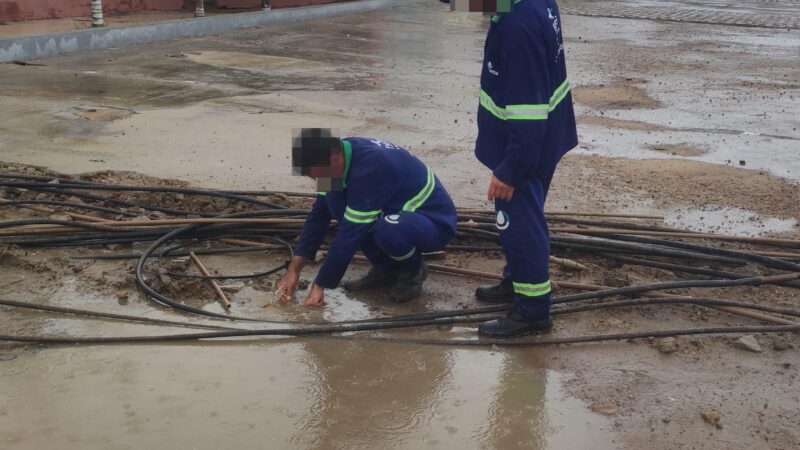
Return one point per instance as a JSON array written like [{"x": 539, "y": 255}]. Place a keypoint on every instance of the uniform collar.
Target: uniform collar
[
  {"x": 348, "y": 156},
  {"x": 496, "y": 18}
]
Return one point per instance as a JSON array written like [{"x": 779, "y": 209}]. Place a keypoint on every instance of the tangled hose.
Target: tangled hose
[{"x": 323, "y": 330}]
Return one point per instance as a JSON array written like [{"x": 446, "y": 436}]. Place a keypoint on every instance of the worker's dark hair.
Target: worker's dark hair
[{"x": 312, "y": 147}]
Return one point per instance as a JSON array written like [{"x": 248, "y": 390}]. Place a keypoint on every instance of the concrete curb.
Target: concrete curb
[{"x": 32, "y": 47}]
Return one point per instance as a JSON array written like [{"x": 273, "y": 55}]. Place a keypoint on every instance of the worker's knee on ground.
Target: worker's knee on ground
[{"x": 392, "y": 236}]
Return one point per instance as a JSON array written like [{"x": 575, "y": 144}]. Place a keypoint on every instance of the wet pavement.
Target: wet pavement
[
  {"x": 317, "y": 394},
  {"x": 282, "y": 393},
  {"x": 218, "y": 111}
]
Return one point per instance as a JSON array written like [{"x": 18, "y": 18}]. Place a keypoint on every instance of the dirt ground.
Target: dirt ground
[{"x": 692, "y": 121}]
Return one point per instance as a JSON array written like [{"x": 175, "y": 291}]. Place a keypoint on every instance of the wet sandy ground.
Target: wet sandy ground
[{"x": 218, "y": 111}]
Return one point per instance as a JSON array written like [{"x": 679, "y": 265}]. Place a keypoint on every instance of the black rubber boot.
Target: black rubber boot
[
  {"x": 409, "y": 285},
  {"x": 376, "y": 277},
  {"x": 497, "y": 293},
  {"x": 513, "y": 325}
]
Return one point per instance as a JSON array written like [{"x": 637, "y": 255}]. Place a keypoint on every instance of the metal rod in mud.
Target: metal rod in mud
[
  {"x": 323, "y": 330},
  {"x": 567, "y": 213},
  {"x": 222, "y": 297},
  {"x": 688, "y": 235},
  {"x": 593, "y": 287},
  {"x": 70, "y": 214}
]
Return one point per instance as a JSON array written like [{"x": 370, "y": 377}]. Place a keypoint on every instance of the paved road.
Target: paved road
[{"x": 754, "y": 13}]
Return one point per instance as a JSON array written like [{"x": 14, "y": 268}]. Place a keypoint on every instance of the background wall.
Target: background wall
[{"x": 11, "y": 10}]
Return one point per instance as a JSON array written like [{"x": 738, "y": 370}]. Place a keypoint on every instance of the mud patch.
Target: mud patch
[
  {"x": 659, "y": 184},
  {"x": 620, "y": 95},
  {"x": 103, "y": 113},
  {"x": 727, "y": 220},
  {"x": 261, "y": 63},
  {"x": 635, "y": 125},
  {"x": 681, "y": 149}
]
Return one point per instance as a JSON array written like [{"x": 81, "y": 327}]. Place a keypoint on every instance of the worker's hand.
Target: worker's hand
[
  {"x": 288, "y": 285},
  {"x": 498, "y": 189},
  {"x": 316, "y": 297}
]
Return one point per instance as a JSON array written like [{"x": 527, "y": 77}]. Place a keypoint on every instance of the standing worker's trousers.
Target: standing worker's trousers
[
  {"x": 526, "y": 244},
  {"x": 396, "y": 241}
]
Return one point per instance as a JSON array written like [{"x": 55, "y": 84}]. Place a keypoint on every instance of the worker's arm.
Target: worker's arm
[
  {"x": 526, "y": 92},
  {"x": 305, "y": 249},
  {"x": 347, "y": 241},
  {"x": 368, "y": 191},
  {"x": 314, "y": 229}
]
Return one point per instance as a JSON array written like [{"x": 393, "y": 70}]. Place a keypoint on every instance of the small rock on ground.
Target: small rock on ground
[
  {"x": 781, "y": 343},
  {"x": 711, "y": 417},
  {"x": 748, "y": 343},
  {"x": 604, "y": 408},
  {"x": 667, "y": 345}
]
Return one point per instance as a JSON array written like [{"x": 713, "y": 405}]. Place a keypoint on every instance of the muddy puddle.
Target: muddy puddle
[
  {"x": 273, "y": 393},
  {"x": 313, "y": 394}
]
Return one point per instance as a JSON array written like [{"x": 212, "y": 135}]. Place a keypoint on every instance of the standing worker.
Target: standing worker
[
  {"x": 388, "y": 204},
  {"x": 525, "y": 125}
]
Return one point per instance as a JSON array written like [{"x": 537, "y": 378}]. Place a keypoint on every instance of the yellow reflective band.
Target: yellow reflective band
[
  {"x": 423, "y": 194},
  {"x": 361, "y": 216},
  {"x": 532, "y": 290},
  {"x": 559, "y": 95},
  {"x": 404, "y": 257},
  {"x": 322, "y": 193},
  {"x": 488, "y": 103},
  {"x": 526, "y": 112},
  {"x": 522, "y": 111}
]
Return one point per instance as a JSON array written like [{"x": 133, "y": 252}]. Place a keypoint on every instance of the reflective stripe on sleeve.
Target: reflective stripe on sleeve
[
  {"x": 488, "y": 103},
  {"x": 355, "y": 216},
  {"x": 423, "y": 194},
  {"x": 559, "y": 95}
]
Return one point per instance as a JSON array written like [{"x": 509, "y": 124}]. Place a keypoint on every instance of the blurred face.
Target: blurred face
[
  {"x": 318, "y": 155},
  {"x": 329, "y": 177},
  {"x": 481, "y": 6}
]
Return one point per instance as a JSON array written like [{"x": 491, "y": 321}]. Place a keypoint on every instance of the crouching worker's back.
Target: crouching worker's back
[{"x": 388, "y": 204}]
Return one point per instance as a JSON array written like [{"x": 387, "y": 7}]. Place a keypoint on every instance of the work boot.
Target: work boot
[
  {"x": 409, "y": 285},
  {"x": 497, "y": 293},
  {"x": 513, "y": 325},
  {"x": 376, "y": 277}
]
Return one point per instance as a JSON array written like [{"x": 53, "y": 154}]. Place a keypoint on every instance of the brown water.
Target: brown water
[
  {"x": 271, "y": 393},
  {"x": 314, "y": 394}
]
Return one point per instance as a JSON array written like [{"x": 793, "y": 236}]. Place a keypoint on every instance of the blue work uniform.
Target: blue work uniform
[
  {"x": 392, "y": 207},
  {"x": 526, "y": 123}
]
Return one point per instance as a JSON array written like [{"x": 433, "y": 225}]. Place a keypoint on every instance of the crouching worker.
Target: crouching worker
[{"x": 388, "y": 204}]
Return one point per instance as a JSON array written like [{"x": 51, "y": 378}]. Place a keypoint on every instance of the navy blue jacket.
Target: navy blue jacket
[
  {"x": 525, "y": 119},
  {"x": 380, "y": 179}
]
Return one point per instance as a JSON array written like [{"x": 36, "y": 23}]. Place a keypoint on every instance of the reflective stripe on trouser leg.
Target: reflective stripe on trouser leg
[
  {"x": 526, "y": 244},
  {"x": 531, "y": 289}
]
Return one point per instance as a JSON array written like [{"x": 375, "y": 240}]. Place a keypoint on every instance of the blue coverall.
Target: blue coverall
[
  {"x": 392, "y": 207},
  {"x": 526, "y": 123}
]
